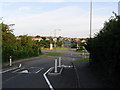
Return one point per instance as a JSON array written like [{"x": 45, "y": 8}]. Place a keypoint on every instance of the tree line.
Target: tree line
[
  {"x": 22, "y": 46},
  {"x": 17, "y": 48}
]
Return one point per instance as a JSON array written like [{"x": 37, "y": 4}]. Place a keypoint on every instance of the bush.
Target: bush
[
  {"x": 18, "y": 49},
  {"x": 104, "y": 51}
]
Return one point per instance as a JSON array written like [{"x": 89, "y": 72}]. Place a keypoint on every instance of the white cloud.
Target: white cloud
[
  {"x": 24, "y": 8},
  {"x": 73, "y": 21}
]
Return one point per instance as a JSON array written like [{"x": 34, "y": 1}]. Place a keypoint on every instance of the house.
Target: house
[
  {"x": 83, "y": 41},
  {"x": 37, "y": 39}
]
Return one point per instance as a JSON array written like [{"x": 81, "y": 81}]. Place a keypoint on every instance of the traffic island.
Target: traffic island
[
  {"x": 53, "y": 72},
  {"x": 57, "y": 69}
]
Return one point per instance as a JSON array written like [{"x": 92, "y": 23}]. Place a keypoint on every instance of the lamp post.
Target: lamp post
[
  {"x": 55, "y": 36},
  {"x": 90, "y": 18},
  {"x": 1, "y": 43},
  {"x": 90, "y": 25}
]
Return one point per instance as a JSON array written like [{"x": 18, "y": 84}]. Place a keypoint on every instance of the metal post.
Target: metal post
[
  {"x": 56, "y": 37},
  {"x": 85, "y": 55},
  {"x": 90, "y": 18},
  {"x": 55, "y": 41},
  {"x": 59, "y": 62},
  {"x": 20, "y": 65},
  {"x": 55, "y": 65},
  {"x": 10, "y": 60},
  {"x": 77, "y": 46}
]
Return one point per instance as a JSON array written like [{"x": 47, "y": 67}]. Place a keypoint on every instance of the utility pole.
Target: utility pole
[{"x": 90, "y": 18}]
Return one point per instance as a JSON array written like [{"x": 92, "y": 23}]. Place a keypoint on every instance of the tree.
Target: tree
[
  {"x": 22, "y": 48},
  {"x": 105, "y": 50}
]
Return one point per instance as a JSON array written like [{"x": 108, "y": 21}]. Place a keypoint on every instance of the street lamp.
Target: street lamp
[
  {"x": 57, "y": 30},
  {"x": 90, "y": 17},
  {"x": 55, "y": 36}
]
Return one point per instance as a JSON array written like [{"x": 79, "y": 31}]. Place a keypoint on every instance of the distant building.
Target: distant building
[
  {"x": 83, "y": 41},
  {"x": 18, "y": 38},
  {"x": 37, "y": 39},
  {"x": 119, "y": 8},
  {"x": 77, "y": 40},
  {"x": 47, "y": 38}
]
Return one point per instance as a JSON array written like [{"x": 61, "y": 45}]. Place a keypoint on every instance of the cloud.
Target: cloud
[
  {"x": 24, "y": 8},
  {"x": 73, "y": 21},
  {"x": 5, "y": 4}
]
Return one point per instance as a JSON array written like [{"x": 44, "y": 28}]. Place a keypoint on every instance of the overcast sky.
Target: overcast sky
[{"x": 42, "y": 18}]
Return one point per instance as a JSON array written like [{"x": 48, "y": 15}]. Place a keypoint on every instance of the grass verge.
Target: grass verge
[
  {"x": 53, "y": 54},
  {"x": 81, "y": 51},
  {"x": 58, "y": 48},
  {"x": 61, "y": 48}
]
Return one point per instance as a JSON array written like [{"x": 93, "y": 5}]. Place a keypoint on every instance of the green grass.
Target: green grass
[
  {"x": 61, "y": 48},
  {"x": 58, "y": 48},
  {"x": 82, "y": 60},
  {"x": 81, "y": 51},
  {"x": 53, "y": 54}
]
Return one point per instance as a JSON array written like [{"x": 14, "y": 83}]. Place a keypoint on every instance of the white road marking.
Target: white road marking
[
  {"x": 24, "y": 71},
  {"x": 18, "y": 70},
  {"x": 67, "y": 66},
  {"x": 48, "y": 82},
  {"x": 9, "y": 70},
  {"x": 39, "y": 70}
]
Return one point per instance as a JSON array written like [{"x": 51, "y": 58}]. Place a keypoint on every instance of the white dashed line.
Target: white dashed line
[{"x": 48, "y": 82}]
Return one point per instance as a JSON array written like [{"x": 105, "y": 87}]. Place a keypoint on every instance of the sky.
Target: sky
[{"x": 43, "y": 17}]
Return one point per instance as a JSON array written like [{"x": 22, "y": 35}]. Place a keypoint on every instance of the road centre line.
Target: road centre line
[
  {"x": 8, "y": 70},
  {"x": 48, "y": 82}
]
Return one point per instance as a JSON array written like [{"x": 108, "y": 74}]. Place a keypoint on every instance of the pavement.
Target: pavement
[
  {"x": 87, "y": 77},
  {"x": 33, "y": 73}
]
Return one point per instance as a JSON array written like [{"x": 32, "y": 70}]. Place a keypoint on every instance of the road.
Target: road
[{"x": 31, "y": 73}]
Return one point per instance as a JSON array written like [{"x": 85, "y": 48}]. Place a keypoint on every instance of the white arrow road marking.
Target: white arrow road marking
[
  {"x": 48, "y": 82},
  {"x": 24, "y": 71}
]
